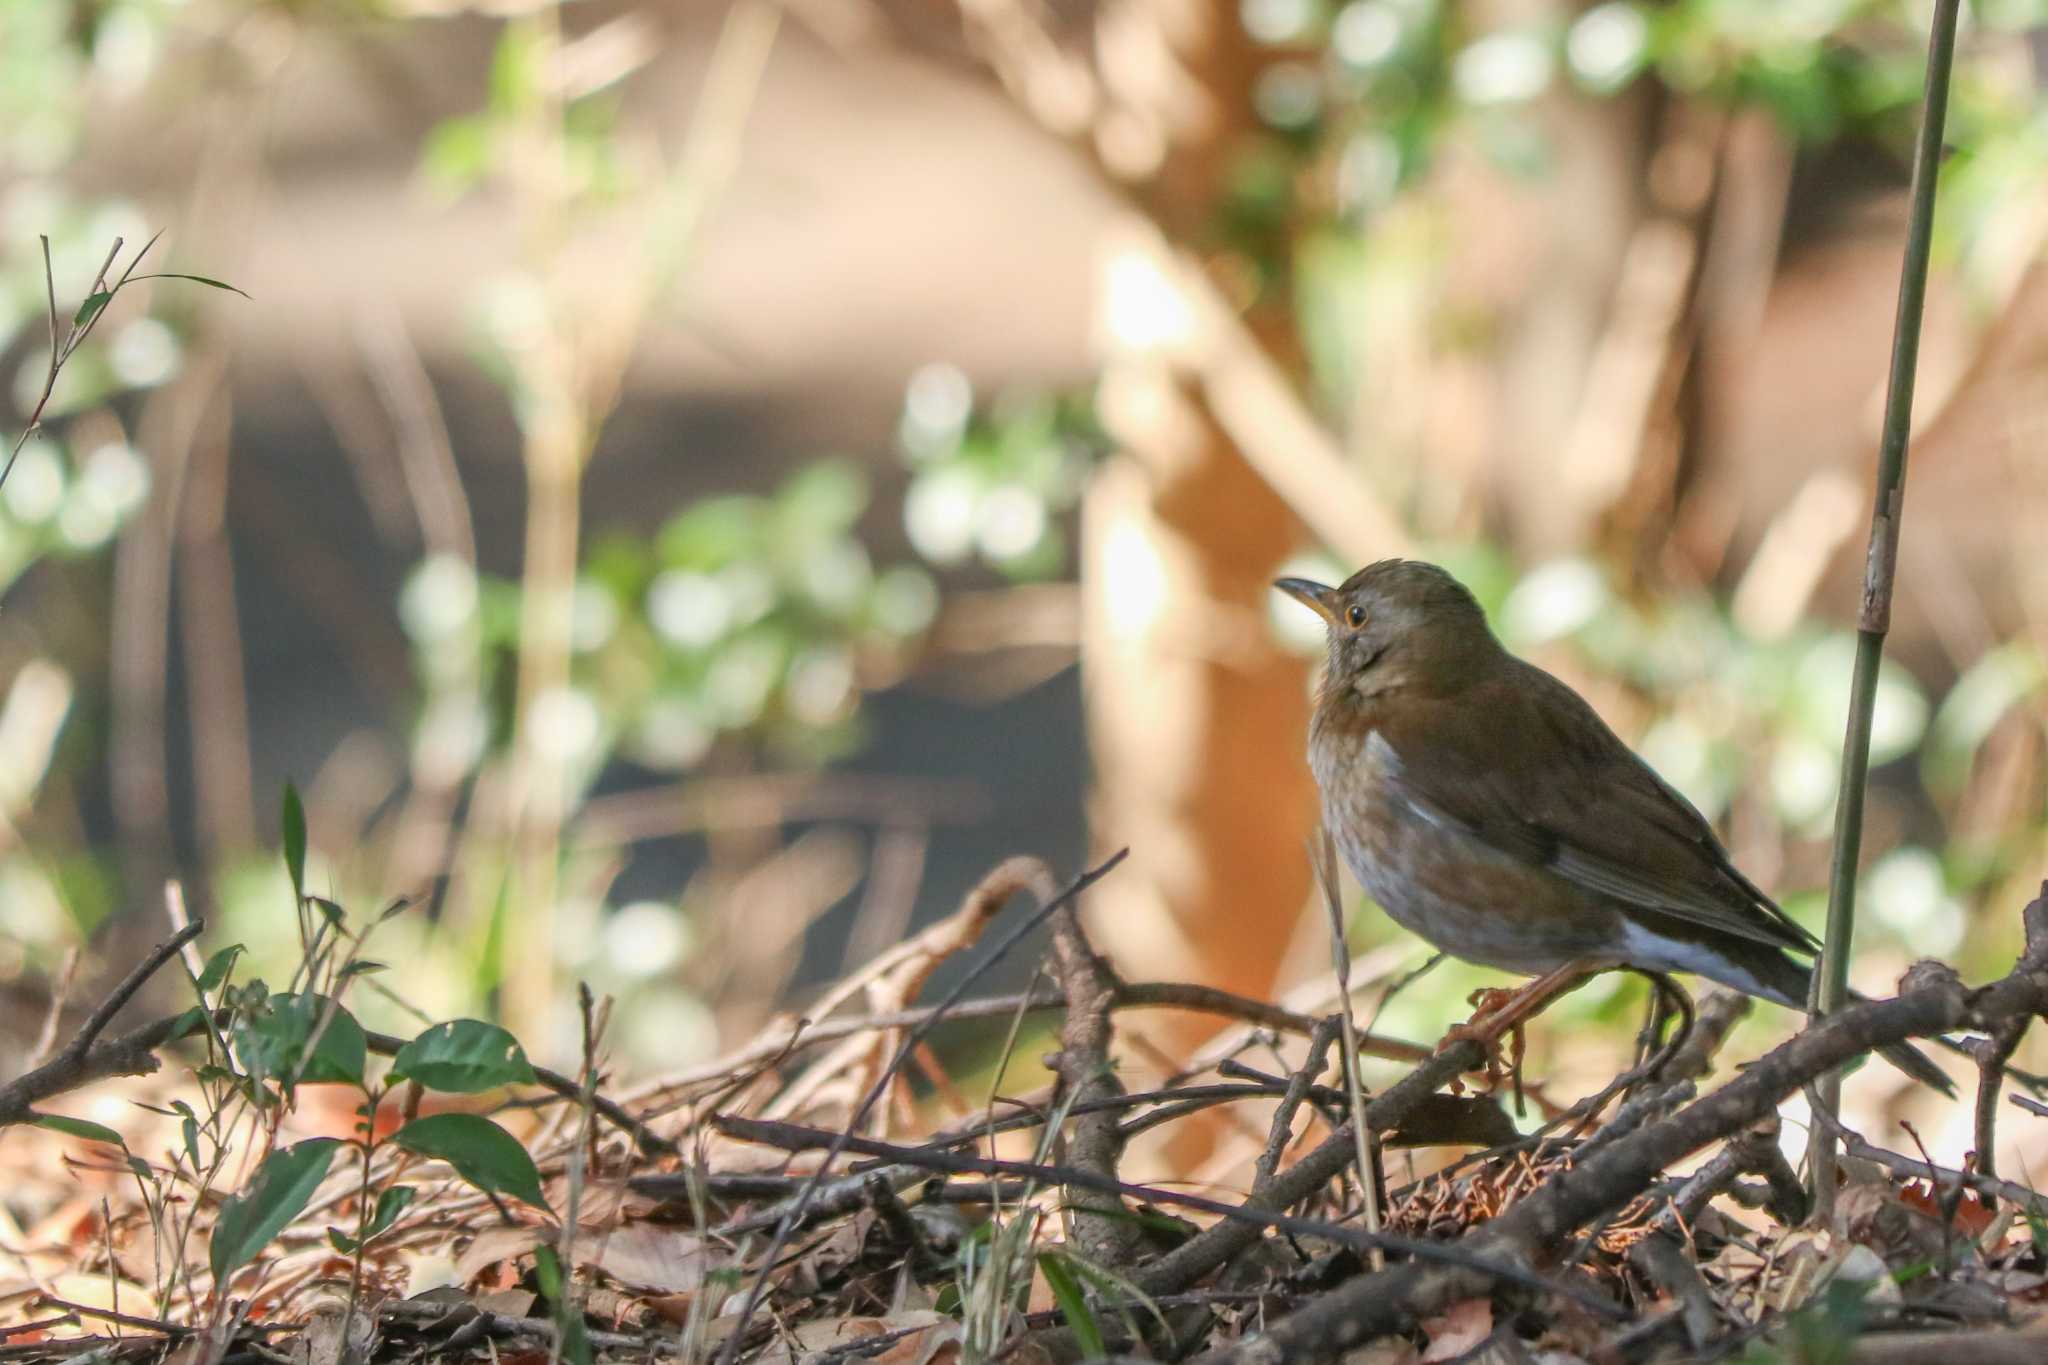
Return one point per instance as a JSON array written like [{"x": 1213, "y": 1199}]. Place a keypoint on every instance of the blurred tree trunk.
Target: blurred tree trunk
[{"x": 1197, "y": 723}]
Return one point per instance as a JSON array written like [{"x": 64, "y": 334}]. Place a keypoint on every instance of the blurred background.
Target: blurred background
[{"x": 692, "y": 485}]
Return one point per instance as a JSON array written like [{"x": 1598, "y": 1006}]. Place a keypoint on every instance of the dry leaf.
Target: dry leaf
[
  {"x": 1458, "y": 1329},
  {"x": 1859, "y": 1264},
  {"x": 609, "y": 1202},
  {"x": 511, "y": 1303},
  {"x": 493, "y": 1245},
  {"x": 95, "y": 1290},
  {"x": 335, "y": 1336},
  {"x": 917, "y": 1347},
  {"x": 1971, "y": 1217},
  {"x": 648, "y": 1256},
  {"x": 617, "y": 1308}
]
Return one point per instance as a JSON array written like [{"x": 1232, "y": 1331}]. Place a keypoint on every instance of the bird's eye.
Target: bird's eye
[{"x": 1355, "y": 616}]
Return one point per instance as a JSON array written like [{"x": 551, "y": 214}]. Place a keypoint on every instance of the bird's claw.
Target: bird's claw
[{"x": 1492, "y": 1021}]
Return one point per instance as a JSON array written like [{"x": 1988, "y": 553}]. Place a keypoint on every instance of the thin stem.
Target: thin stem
[
  {"x": 1325, "y": 851},
  {"x": 1881, "y": 570}
]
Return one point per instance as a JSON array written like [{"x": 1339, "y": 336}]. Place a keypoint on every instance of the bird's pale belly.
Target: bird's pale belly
[{"x": 1444, "y": 885}]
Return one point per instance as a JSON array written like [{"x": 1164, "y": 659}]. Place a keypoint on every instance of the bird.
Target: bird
[{"x": 1488, "y": 809}]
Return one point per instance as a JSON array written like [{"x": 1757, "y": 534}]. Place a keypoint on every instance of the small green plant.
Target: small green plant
[
  {"x": 65, "y": 339},
  {"x": 262, "y": 1045}
]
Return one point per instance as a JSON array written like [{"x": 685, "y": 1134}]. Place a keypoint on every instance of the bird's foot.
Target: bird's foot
[{"x": 1495, "y": 1018}]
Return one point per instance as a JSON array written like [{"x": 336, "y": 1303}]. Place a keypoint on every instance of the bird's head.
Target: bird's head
[{"x": 1398, "y": 623}]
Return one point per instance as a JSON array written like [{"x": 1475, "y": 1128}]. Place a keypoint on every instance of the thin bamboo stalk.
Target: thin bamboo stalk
[{"x": 1831, "y": 980}]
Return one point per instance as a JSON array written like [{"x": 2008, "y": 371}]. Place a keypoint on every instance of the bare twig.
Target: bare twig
[
  {"x": 1170, "y": 995},
  {"x": 1298, "y": 1088},
  {"x": 1340, "y": 954},
  {"x": 1663, "y": 1261},
  {"x": 994, "y": 901},
  {"x": 1991, "y": 1056},
  {"x": 1932, "y": 1001},
  {"x": 800, "y": 1137},
  {"x": 1109, "y": 1237},
  {"x": 1718, "y": 1012},
  {"x": 80, "y": 1061},
  {"x": 1213, "y": 1246},
  {"x": 1990, "y": 1187}
]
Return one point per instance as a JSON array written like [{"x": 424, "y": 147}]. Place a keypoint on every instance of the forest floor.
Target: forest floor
[{"x": 829, "y": 1193}]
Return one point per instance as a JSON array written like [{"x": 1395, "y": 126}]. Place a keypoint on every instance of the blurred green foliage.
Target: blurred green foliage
[
  {"x": 81, "y": 479},
  {"x": 463, "y": 152},
  {"x": 743, "y": 617},
  {"x": 991, "y": 483},
  {"x": 746, "y": 629}
]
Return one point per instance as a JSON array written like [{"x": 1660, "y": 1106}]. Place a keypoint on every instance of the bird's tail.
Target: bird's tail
[{"x": 1784, "y": 981}]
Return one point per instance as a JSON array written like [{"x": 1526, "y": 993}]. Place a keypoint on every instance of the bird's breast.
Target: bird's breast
[{"x": 1438, "y": 879}]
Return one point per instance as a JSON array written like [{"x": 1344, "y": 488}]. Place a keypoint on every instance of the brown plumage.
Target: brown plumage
[{"x": 1489, "y": 809}]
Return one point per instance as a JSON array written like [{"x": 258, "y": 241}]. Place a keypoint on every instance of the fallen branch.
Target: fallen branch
[
  {"x": 797, "y": 1137},
  {"x": 1131, "y": 995},
  {"x": 85, "y": 1058},
  {"x": 997, "y": 888},
  {"x": 1210, "y": 1248},
  {"x": 1932, "y": 1001},
  {"x": 1108, "y": 1237}
]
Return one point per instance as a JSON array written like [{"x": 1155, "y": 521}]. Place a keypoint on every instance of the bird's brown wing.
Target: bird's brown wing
[{"x": 1523, "y": 764}]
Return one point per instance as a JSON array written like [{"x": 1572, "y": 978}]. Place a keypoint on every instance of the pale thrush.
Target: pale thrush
[{"x": 1487, "y": 808}]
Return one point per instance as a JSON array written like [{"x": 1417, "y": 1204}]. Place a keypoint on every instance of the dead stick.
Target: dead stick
[
  {"x": 1213, "y": 1246},
  {"x": 797, "y": 1137},
  {"x": 1992, "y": 1055},
  {"x": 81, "y": 1061},
  {"x": 730, "y": 1352},
  {"x": 1933, "y": 1002},
  {"x": 1109, "y": 1237}
]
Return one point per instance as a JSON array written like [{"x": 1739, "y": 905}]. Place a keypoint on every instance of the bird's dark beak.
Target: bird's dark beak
[{"x": 1313, "y": 595}]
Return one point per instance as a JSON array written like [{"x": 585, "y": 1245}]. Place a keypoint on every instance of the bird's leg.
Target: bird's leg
[
  {"x": 1668, "y": 998},
  {"x": 1651, "y": 1037},
  {"x": 1505, "y": 1010}
]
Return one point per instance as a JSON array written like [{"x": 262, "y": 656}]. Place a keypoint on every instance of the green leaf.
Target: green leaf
[
  {"x": 392, "y": 1201},
  {"x": 463, "y": 1057},
  {"x": 283, "y": 1186},
  {"x": 711, "y": 534},
  {"x": 81, "y": 1128},
  {"x": 218, "y": 966},
  {"x": 456, "y": 152},
  {"x": 196, "y": 279},
  {"x": 272, "y": 1042},
  {"x": 519, "y": 68},
  {"x": 481, "y": 1152},
  {"x": 1066, "y": 1291},
  {"x": 568, "y": 1322},
  {"x": 294, "y": 825},
  {"x": 547, "y": 1272},
  {"x": 190, "y": 1022},
  {"x": 93, "y": 306},
  {"x": 822, "y": 498},
  {"x": 1115, "y": 1286}
]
